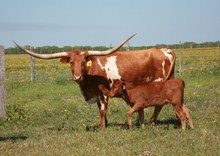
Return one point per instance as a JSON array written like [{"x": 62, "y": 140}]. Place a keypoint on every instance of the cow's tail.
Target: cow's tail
[{"x": 170, "y": 74}]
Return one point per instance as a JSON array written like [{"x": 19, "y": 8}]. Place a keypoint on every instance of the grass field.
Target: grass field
[{"x": 50, "y": 116}]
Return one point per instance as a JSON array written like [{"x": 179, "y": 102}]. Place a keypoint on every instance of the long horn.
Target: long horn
[
  {"x": 110, "y": 50},
  {"x": 42, "y": 56}
]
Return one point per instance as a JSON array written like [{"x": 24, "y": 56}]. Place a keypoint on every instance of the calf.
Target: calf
[{"x": 143, "y": 95}]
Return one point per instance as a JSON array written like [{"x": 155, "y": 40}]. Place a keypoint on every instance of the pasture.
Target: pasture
[{"x": 50, "y": 116}]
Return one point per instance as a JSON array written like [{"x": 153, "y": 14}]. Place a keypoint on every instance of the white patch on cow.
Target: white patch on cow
[
  {"x": 102, "y": 106},
  {"x": 167, "y": 53},
  {"x": 110, "y": 68},
  {"x": 105, "y": 98},
  {"x": 103, "y": 102},
  {"x": 158, "y": 79},
  {"x": 163, "y": 64},
  {"x": 93, "y": 100}
]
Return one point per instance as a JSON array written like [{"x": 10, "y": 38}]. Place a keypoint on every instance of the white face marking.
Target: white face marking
[
  {"x": 158, "y": 79},
  {"x": 82, "y": 52},
  {"x": 111, "y": 68},
  {"x": 76, "y": 77},
  {"x": 163, "y": 64},
  {"x": 167, "y": 53}
]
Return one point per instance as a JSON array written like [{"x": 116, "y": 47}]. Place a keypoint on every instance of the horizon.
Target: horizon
[{"x": 125, "y": 46}]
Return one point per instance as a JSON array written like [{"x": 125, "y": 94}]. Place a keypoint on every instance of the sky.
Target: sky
[{"x": 105, "y": 22}]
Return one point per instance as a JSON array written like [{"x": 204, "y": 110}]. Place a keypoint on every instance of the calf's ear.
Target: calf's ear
[
  {"x": 103, "y": 89},
  {"x": 65, "y": 60}
]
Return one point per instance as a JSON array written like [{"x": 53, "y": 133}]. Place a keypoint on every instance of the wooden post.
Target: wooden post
[
  {"x": 2, "y": 84},
  {"x": 127, "y": 46},
  {"x": 32, "y": 63},
  {"x": 180, "y": 63}
]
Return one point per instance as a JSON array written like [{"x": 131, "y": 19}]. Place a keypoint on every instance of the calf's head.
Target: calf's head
[{"x": 116, "y": 89}]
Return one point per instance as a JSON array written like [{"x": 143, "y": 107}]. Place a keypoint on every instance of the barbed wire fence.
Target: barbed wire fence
[{"x": 32, "y": 65}]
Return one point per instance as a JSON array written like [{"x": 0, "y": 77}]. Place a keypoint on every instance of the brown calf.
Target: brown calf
[{"x": 148, "y": 94}]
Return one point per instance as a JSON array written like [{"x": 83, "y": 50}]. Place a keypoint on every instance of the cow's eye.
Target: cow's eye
[{"x": 83, "y": 62}]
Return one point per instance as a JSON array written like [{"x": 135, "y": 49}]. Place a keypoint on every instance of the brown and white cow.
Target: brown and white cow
[
  {"x": 95, "y": 71},
  {"x": 140, "y": 65},
  {"x": 148, "y": 94}
]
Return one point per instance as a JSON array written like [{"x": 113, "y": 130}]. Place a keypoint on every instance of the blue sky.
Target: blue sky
[{"x": 105, "y": 22}]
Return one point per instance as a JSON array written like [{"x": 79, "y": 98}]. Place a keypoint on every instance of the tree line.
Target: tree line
[{"x": 55, "y": 49}]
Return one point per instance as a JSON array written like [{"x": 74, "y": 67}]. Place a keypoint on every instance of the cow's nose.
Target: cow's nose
[{"x": 110, "y": 95}]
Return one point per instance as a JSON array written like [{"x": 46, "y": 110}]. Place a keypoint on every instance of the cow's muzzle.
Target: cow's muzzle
[
  {"x": 111, "y": 95},
  {"x": 77, "y": 78}
]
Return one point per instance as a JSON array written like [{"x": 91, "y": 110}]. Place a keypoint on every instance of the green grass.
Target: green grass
[{"x": 50, "y": 116}]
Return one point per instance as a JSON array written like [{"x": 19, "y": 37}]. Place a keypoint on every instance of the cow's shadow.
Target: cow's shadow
[
  {"x": 164, "y": 123},
  {"x": 13, "y": 138},
  {"x": 169, "y": 122},
  {"x": 114, "y": 125}
]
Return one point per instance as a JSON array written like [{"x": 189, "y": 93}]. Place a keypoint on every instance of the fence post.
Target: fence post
[
  {"x": 180, "y": 63},
  {"x": 127, "y": 46},
  {"x": 32, "y": 63},
  {"x": 2, "y": 84}
]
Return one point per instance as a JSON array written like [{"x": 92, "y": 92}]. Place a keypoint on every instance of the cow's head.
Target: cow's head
[{"x": 77, "y": 58}]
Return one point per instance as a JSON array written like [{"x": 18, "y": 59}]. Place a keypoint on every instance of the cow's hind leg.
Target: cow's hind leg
[
  {"x": 103, "y": 106},
  {"x": 153, "y": 118}
]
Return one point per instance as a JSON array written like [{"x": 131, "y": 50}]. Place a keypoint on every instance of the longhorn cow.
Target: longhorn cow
[{"x": 95, "y": 71}]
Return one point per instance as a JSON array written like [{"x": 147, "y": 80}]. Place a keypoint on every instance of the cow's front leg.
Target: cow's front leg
[{"x": 103, "y": 106}]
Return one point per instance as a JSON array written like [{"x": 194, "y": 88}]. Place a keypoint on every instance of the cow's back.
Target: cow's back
[
  {"x": 137, "y": 65},
  {"x": 143, "y": 65}
]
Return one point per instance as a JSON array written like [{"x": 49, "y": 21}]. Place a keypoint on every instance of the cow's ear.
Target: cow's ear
[
  {"x": 90, "y": 58},
  {"x": 65, "y": 60}
]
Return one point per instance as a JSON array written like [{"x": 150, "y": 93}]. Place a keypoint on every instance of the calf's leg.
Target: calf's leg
[
  {"x": 181, "y": 115},
  {"x": 130, "y": 112},
  {"x": 153, "y": 118},
  {"x": 141, "y": 116},
  {"x": 188, "y": 116}
]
